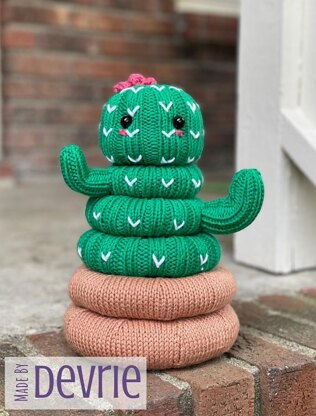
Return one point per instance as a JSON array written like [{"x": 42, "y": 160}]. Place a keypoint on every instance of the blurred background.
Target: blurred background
[{"x": 60, "y": 59}]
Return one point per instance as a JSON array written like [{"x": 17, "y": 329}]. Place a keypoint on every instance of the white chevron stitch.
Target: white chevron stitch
[
  {"x": 110, "y": 108},
  {"x": 196, "y": 183},
  {"x": 96, "y": 215},
  {"x": 176, "y": 226},
  {"x": 132, "y": 112},
  {"x": 132, "y": 134},
  {"x": 79, "y": 252},
  {"x": 167, "y": 184},
  {"x": 135, "y": 90},
  {"x": 171, "y": 132},
  {"x": 106, "y": 132},
  {"x": 166, "y": 107},
  {"x": 138, "y": 159},
  {"x": 105, "y": 257},
  {"x": 190, "y": 159},
  {"x": 195, "y": 135},
  {"x": 175, "y": 88},
  {"x": 164, "y": 161},
  {"x": 157, "y": 88},
  {"x": 133, "y": 224},
  {"x": 130, "y": 183},
  {"x": 157, "y": 262},
  {"x": 192, "y": 106},
  {"x": 203, "y": 260},
  {"x": 110, "y": 158}
]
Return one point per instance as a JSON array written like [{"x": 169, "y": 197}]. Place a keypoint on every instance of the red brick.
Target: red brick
[
  {"x": 94, "y": 20},
  {"x": 52, "y": 113},
  {"x": 287, "y": 379},
  {"x": 51, "y": 344},
  {"x": 6, "y": 350},
  {"x": 56, "y": 413},
  {"x": 140, "y": 5},
  {"x": 18, "y": 38},
  {"x": 37, "y": 64},
  {"x": 310, "y": 292},
  {"x": 56, "y": 15},
  {"x": 50, "y": 89},
  {"x": 210, "y": 28},
  {"x": 290, "y": 304},
  {"x": 6, "y": 170},
  {"x": 257, "y": 316},
  {"x": 148, "y": 25},
  {"x": 219, "y": 388},
  {"x": 163, "y": 399}
]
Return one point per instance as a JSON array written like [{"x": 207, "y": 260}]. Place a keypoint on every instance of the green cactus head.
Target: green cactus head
[{"x": 151, "y": 124}]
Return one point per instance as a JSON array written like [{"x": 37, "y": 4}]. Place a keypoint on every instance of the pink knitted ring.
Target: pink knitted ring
[
  {"x": 165, "y": 344},
  {"x": 152, "y": 298}
]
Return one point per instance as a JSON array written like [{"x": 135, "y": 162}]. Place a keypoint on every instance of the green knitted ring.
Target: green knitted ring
[
  {"x": 141, "y": 217},
  {"x": 135, "y": 256},
  {"x": 156, "y": 181}
]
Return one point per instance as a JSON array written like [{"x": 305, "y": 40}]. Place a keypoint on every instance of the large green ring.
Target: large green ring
[
  {"x": 149, "y": 257},
  {"x": 179, "y": 182},
  {"x": 141, "y": 217}
]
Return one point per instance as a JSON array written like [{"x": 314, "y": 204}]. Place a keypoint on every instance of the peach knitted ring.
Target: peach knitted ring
[
  {"x": 152, "y": 298},
  {"x": 166, "y": 344}
]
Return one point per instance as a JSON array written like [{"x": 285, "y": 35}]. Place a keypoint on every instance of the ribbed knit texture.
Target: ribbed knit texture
[
  {"x": 165, "y": 344},
  {"x": 152, "y": 109},
  {"x": 161, "y": 299},
  {"x": 145, "y": 217},
  {"x": 156, "y": 256},
  {"x": 150, "y": 231}
]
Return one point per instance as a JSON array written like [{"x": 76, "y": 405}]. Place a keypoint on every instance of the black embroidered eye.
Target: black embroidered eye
[
  {"x": 178, "y": 122},
  {"x": 126, "y": 121}
]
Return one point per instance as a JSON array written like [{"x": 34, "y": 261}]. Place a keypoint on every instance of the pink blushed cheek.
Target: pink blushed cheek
[
  {"x": 122, "y": 132},
  {"x": 179, "y": 133}
]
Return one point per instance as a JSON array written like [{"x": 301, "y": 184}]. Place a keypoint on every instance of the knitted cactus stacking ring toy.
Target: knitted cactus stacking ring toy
[{"x": 149, "y": 285}]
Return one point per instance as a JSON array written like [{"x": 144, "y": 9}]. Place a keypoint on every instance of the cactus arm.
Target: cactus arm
[
  {"x": 79, "y": 177},
  {"x": 239, "y": 208}
]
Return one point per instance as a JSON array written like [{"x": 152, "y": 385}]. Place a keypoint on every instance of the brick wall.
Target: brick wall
[{"x": 60, "y": 59}]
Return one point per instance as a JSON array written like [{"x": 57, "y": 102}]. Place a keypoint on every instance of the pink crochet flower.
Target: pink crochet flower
[{"x": 134, "y": 79}]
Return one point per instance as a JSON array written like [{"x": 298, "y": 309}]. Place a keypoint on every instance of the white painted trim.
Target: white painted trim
[
  {"x": 1, "y": 97},
  {"x": 218, "y": 7},
  {"x": 277, "y": 131},
  {"x": 299, "y": 141}
]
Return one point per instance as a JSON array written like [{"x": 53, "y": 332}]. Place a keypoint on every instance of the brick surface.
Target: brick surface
[
  {"x": 58, "y": 413},
  {"x": 75, "y": 51},
  {"x": 51, "y": 344},
  {"x": 290, "y": 304},
  {"x": 219, "y": 389},
  {"x": 6, "y": 350},
  {"x": 287, "y": 379},
  {"x": 163, "y": 399},
  {"x": 310, "y": 292},
  {"x": 260, "y": 317}
]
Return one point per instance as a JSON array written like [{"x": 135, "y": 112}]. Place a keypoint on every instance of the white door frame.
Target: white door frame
[{"x": 277, "y": 131}]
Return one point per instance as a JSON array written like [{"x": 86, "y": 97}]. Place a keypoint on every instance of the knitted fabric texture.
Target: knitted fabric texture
[
  {"x": 165, "y": 344},
  {"x": 145, "y": 218},
  {"x": 150, "y": 231},
  {"x": 159, "y": 299}
]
